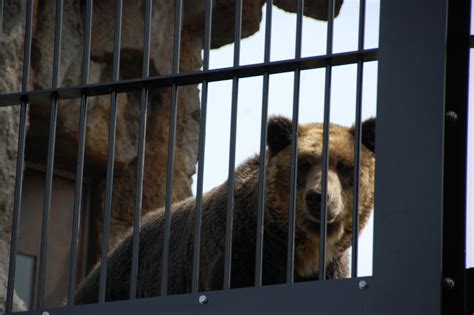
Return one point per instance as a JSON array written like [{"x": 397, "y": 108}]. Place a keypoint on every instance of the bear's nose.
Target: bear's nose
[{"x": 313, "y": 199}]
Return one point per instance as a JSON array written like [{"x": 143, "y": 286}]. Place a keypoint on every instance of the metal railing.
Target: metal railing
[{"x": 396, "y": 97}]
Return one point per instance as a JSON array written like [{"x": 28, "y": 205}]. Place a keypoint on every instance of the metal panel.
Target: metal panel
[
  {"x": 455, "y": 168},
  {"x": 316, "y": 297},
  {"x": 409, "y": 151}
]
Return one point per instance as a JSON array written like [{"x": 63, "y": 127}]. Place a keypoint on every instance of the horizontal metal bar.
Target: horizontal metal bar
[
  {"x": 43, "y": 96},
  {"x": 272, "y": 299}
]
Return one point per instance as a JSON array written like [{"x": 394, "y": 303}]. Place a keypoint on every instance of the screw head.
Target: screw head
[
  {"x": 363, "y": 285},
  {"x": 45, "y": 313},
  {"x": 203, "y": 299},
  {"x": 452, "y": 115},
  {"x": 448, "y": 283}
]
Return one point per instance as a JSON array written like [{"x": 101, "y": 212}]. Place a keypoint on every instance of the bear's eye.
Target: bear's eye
[
  {"x": 304, "y": 165},
  {"x": 345, "y": 173}
]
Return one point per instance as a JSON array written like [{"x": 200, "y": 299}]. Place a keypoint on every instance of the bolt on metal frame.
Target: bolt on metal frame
[{"x": 417, "y": 80}]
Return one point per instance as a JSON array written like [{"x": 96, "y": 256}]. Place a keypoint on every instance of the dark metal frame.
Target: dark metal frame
[
  {"x": 455, "y": 293},
  {"x": 415, "y": 167}
]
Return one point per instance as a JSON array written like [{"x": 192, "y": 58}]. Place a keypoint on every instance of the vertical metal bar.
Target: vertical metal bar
[
  {"x": 80, "y": 155},
  {"x": 294, "y": 149},
  {"x": 171, "y": 149},
  {"x": 357, "y": 139},
  {"x": 108, "y": 196},
  {"x": 141, "y": 152},
  {"x": 177, "y": 36},
  {"x": 1, "y": 20},
  {"x": 410, "y": 81},
  {"x": 47, "y": 204},
  {"x": 27, "y": 45},
  {"x": 263, "y": 142},
  {"x": 325, "y": 154},
  {"x": 233, "y": 138},
  {"x": 17, "y": 206},
  {"x": 20, "y": 158},
  {"x": 111, "y": 154},
  {"x": 201, "y": 152},
  {"x": 50, "y": 160},
  {"x": 117, "y": 39},
  {"x": 57, "y": 42}
]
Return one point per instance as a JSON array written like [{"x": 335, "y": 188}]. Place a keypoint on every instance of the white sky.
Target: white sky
[{"x": 311, "y": 96}]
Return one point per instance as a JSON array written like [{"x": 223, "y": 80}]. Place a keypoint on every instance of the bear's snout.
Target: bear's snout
[
  {"x": 313, "y": 199},
  {"x": 313, "y": 204}
]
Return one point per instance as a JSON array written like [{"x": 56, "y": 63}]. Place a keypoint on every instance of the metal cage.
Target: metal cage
[{"x": 419, "y": 231}]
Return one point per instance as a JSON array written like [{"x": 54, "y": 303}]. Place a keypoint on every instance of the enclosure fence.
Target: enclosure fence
[{"x": 420, "y": 188}]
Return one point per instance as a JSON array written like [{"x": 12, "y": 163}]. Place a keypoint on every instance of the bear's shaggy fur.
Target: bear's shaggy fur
[{"x": 214, "y": 204}]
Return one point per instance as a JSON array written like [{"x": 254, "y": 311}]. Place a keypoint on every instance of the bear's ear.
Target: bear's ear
[
  {"x": 278, "y": 133},
  {"x": 368, "y": 133}
]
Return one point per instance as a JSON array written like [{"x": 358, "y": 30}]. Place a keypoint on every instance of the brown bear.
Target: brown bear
[{"x": 339, "y": 213}]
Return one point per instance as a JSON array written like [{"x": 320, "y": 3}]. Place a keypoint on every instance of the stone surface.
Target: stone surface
[{"x": 317, "y": 9}]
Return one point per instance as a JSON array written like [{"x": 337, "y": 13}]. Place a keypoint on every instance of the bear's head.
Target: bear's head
[{"x": 340, "y": 186}]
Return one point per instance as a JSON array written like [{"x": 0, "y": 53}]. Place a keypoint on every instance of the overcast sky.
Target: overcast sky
[{"x": 311, "y": 95}]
